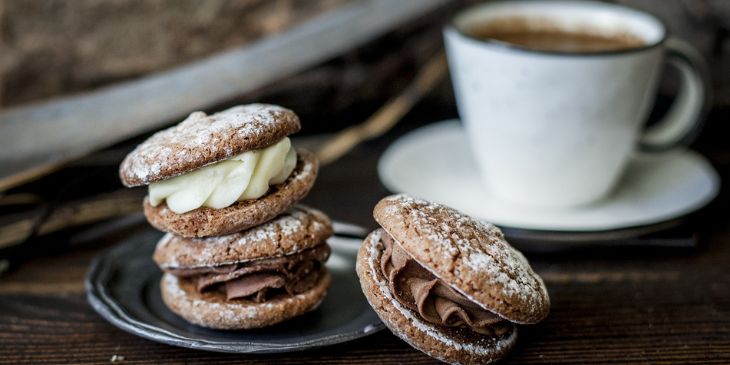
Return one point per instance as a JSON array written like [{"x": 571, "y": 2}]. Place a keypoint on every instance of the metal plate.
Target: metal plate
[{"x": 123, "y": 286}]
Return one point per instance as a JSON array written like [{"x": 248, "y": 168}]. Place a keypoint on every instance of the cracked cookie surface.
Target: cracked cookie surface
[{"x": 469, "y": 254}]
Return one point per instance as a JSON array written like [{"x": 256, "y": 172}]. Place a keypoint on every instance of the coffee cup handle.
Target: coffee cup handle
[{"x": 683, "y": 122}]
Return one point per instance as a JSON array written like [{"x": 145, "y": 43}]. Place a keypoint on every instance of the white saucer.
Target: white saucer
[{"x": 435, "y": 163}]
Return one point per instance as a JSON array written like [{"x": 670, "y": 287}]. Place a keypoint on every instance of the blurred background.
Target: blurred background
[{"x": 54, "y": 48}]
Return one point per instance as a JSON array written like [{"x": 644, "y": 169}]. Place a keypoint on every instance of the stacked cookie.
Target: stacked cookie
[{"x": 238, "y": 252}]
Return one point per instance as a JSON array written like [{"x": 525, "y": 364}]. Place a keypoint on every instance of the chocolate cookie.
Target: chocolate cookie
[
  {"x": 204, "y": 222},
  {"x": 299, "y": 228},
  {"x": 213, "y": 310},
  {"x": 202, "y": 139},
  {"x": 249, "y": 279},
  {"x": 446, "y": 283}
]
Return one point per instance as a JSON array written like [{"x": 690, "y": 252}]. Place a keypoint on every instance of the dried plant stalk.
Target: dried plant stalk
[
  {"x": 388, "y": 115},
  {"x": 73, "y": 214}
]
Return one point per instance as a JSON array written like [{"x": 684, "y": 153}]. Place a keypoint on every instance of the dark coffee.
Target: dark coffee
[{"x": 544, "y": 36}]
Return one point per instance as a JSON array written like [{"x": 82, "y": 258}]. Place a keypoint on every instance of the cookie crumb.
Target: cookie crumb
[{"x": 116, "y": 358}]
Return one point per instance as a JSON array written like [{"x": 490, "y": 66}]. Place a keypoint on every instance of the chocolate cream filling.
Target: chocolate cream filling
[
  {"x": 261, "y": 279},
  {"x": 436, "y": 302}
]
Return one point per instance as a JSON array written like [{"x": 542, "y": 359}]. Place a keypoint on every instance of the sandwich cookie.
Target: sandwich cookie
[
  {"x": 251, "y": 279},
  {"x": 218, "y": 174},
  {"x": 446, "y": 283}
]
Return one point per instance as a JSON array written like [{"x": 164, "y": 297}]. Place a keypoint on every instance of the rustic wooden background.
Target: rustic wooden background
[{"x": 615, "y": 305}]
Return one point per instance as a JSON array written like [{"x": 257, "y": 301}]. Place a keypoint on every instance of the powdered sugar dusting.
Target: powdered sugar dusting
[
  {"x": 502, "y": 344},
  {"x": 202, "y": 137},
  {"x": 287, "y": 234},
  {"x": 470, "y": 254},
  {"x": 228, "y": 311}
]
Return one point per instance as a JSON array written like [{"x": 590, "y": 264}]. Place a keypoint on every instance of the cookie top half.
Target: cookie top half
[
  {"x": 470, "y": 255},
  {"x": 296, "y": 230},
  {"x": 203, "y": 139}
]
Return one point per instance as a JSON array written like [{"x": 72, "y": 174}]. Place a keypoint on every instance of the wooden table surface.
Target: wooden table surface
[{"x": 619, "y": 305}]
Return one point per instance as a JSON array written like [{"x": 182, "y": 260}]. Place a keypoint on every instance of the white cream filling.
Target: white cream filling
[{"x": 243, "y": 177}]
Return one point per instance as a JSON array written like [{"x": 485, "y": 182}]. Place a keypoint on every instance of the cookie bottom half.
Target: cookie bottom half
[{"x": 212, "y": 310}]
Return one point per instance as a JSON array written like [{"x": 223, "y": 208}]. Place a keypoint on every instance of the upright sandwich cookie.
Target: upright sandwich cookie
[
  {"x": 250, "y": 279},
  {"x": 446, "y": 283},
  {"x": 217, "y": 174}
]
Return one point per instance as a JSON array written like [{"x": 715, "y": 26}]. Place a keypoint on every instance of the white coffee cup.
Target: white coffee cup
[{"x": 557, "y": 129}]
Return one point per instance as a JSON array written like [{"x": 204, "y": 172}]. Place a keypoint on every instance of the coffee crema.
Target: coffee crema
[{"x": 543, "y": 35}]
